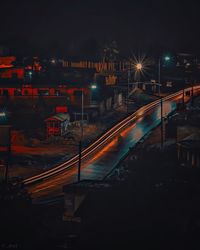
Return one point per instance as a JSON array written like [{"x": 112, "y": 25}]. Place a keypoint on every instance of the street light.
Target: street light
[
  {"x": 138, "y": 68},
  {"x": 30, "y": 73},
  {"x": 129, "y": 74},
  {"x": 81, "y": 137},
  {"x": 2, "y": 114},
  {"x": 5, "y": 138},
  {"x": 93, "y": 87},
  {"x": 166, "y": 59}
]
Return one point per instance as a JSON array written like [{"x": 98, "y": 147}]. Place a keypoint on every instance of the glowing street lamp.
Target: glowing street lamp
[
  {"x": 3, "y": 117},
  {"x": 5, "y": 138},
  {"x": 2, "y": 114},
  {"x": 81, "y": 138},
  {"x": 166, "y": 59},
  {"x": 93, "y": 86},
  {"x": 139, "y": 66}
]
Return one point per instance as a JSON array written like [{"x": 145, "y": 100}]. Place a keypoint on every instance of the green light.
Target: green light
[
  {"x": 93, "y": 86},
  {"x": 167, "y": 58}
]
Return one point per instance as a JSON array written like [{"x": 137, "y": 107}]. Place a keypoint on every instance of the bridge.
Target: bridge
[{"x": 99, "y": 158}]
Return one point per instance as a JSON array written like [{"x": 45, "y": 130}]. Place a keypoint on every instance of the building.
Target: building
[
  {"x": 7, "y": 61},
  {"x": 16, "y": 89},
  {"x": 64, "y": 87},
  {"x": 14, "y": 73},
  {"x": 188, "y": 151},
  {"x": 57, "y": 124}
]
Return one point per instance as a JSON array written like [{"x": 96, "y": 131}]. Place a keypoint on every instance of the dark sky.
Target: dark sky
[{"x": 68, "y": 25}]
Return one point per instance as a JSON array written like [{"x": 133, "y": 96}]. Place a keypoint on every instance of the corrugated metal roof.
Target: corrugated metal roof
[{"x": 60, "y": 117}]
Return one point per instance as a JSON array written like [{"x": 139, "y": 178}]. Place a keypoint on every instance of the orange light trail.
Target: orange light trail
[{"x": 105, "y": 138}]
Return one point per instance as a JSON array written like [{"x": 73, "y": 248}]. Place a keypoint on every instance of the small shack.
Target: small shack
[
  {"x": 189, "y": 150},
  {"x": 57, "y": 124}
]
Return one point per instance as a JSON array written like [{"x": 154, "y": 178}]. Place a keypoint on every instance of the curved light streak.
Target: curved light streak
[{"x": 105, "y": 138}]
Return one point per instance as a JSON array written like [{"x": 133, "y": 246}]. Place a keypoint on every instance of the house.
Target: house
[
  {"x": 188, "y": 151},
  {"x": 57, "y": 124}
]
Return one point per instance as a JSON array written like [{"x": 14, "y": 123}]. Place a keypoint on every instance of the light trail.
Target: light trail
[{"x": 105, "y": 138}]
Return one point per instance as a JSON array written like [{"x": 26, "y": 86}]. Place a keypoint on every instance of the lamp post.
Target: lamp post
[
  {"x": 92, "y": 87},
  {"x": 166, "y": 58},
  {"x": 138, "y": 68},
  {"x": 8, "y": 154},
  {"x": 5, "y": 140},
  {"x": 192, "y": 101},
  {"x": 183, "y": 97},
  {"x": 129, "y": 73},
  {"x": 81, "y": 136}
]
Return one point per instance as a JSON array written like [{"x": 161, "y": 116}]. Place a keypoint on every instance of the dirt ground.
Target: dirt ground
[{"x": 30, "y": 156}]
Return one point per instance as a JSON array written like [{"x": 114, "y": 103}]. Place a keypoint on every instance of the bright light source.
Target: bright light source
[
  {"x": 93, "y": 86},
  {"x": 30, "y": 73},
  {"x": 2, "y": 114},
  {"x": 139, "y": 66},
  {"x": 167, "y": 58}
]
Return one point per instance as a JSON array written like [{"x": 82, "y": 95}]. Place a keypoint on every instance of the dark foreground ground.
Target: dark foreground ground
[{"x": 156, "y": 207}]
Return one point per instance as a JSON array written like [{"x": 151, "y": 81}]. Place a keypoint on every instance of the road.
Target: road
[{"x": 100, "y": 157}]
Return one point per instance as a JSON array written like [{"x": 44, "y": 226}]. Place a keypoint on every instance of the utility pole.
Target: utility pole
[
  {"x": 159, "y": 74},
  {"x": 128, "y": 91},
  {"x": 161, "y": 105},
  {"x": 192, "y": 93},
  {"x": 8, "y": 154},
  {"x": 161, "y": 125},
  {"x": 166, "y": 59},
  {"x": 79, "y": 161},
  {"x": 81, "y": 137},
  {"x": 183, "y": 100}
]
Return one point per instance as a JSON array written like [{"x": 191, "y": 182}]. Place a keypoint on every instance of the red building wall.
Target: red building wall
[
  {"x": 12, "y": 72},
  {"x": 28, "y": 90}
]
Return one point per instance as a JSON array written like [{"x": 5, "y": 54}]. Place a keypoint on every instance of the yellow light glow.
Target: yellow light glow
[{"x": 139, "y": 66}]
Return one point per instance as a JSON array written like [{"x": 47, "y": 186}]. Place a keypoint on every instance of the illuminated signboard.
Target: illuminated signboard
[{"x": 61, "y": 109}]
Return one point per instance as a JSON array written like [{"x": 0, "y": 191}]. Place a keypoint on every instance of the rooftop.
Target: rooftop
[{"x": 60, "y": 117}]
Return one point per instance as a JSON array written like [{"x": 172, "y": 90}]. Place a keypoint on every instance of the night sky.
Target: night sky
[{"x": 74, "y": 27}]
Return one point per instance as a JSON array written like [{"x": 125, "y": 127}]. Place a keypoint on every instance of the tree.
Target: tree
[{"x": 110, "y": 51}]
